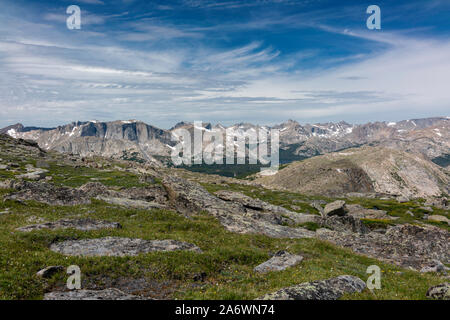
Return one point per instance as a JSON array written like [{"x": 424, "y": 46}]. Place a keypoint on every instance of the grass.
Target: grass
[
  {"x": 228, "y": 259},
  {"x": 77, "y": 176}
]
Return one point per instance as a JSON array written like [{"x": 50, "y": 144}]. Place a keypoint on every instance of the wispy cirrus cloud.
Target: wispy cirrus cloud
[{"x": 260, "y": 67}]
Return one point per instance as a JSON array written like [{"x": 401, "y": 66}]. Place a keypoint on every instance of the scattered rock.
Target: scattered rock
[
  {"x": 128, "y": 203},
  {"x": 34, "y": 219},
  {"x": 402, "y": 199},
  {"x": 42, "y": 164},
  {"x": 199, "y": 277},
  {"x": 344, "y": 224},
  {"x": 115, "y": 246},
  {"x": 94, "y": 189},
  {"x": 280, "y": 261},
  {"x": 358, "y": 211},
  {"x": 335, "y": 208},
  {"x": 429, "y": 209},
  {"x": 189, "y": 198},
  {"x": 34, "y": 175},
  {"x": 434, "y": 266},
  {"x": 46, "y": 193},
  {"x": 147, "y": 179},
  {"x": 404, "y": 245},
  {"x": 438, "y": 218},
  {"x": 440, "y": 292},
  {"x": 79, "y": 224},
  {"x": 49, "y": 271},
  {"x": 318, "y": 206},
  {"x": 330, "y": 289},
  {"x": 106, "y": 294},
  {"x": 248, "y": 202}
]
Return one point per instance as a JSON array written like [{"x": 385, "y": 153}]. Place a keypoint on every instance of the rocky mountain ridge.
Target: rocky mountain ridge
[{"x": 136, "y": 140}]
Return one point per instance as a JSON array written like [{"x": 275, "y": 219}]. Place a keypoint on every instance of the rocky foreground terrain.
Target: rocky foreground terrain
[{"x": 143, "y": 231}]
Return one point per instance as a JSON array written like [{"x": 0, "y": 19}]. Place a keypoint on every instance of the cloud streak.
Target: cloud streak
[{"x": 163, "y": 70}]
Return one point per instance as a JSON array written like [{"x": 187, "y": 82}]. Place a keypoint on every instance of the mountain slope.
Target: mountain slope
[
  {"x": 366, "y": 169},
  {"x": 117, "y": 139}
]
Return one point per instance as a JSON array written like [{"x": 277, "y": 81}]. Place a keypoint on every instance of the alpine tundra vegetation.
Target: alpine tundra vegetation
[{"x": 145, "y": 230}]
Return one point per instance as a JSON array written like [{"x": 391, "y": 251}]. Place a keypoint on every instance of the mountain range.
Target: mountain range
[{"x": 138, "y": 140}]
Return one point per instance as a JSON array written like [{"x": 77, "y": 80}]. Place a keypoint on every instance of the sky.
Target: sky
[{"x": 223, "y": 61}]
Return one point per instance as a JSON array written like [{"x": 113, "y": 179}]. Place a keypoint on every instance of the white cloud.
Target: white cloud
[{"x": 87, "y": 76}]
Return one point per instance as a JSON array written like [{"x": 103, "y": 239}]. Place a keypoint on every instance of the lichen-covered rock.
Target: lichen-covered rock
[
  {"x": 358, "y": 211},
  {"x": 34, "y": 175},
  {"x": 330, "y": 289},
  {"x": 106, "y": 294},
  {"x": 79, "y": 224},
  {"x": 46, "y": 193},
  {"x": 259, "y": 205},
  {"x": 434, "y": 266},
  {"x": 440, "y": 292},
  {"x": 116, "y": 246},
  {"x": 404, "y": 245},
  {"x": 93, "y": 189},
  {"x": 439, "y": 218},
  {"x": 280, "y": 261},
  {"x": 335, "y": 208},
  {"x": 129, "y": 203},
  {"x": 49, "y": 271},
  {"x": 190, "y": 198},
  {"x": 344, "y": 224}
]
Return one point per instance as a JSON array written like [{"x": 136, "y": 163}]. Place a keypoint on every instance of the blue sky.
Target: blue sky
[{"x": 224, "y": 61}]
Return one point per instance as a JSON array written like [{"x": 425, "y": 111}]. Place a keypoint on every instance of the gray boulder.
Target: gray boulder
[
  {"x": 344, "y": 224},
  {"x": 79, "y": 224},
  {"x": 116, "y": 246},
  {"x": 189, "y": 198},
  {"x": 49, "y": 271},
  {"x": 330, "y": 289},
  {"x": 440, "y": 292},
  {"x": 434, "y": 266},
  {"x": 34, "y": 175},
  {"x": 280, "y": 261},
  {"x": 129, "y": 203},
  {"x": 106, "y": 294},
  {"x": 335, "y": 208}
]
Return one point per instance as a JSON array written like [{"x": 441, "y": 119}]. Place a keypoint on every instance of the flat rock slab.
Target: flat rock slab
[
  {"x": 49, "y": 271},
  {"x": 404, "y": 245},
  {"x": 439, "y": 218},
  {"x": 330, "y": 289},
  {"x": 189, "y": 198},
  {"x": 45, "y": 193},
  {"x": 280, "y": 261},
  {"x": 107, "y": 294},
  {"x": 79, "y": 224},
  {"x": 335, "y": 208},
  {"x": 116, "y": 246},
  {"x": 358, "y": 211},
  {"x": 129, "y": 203}
]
